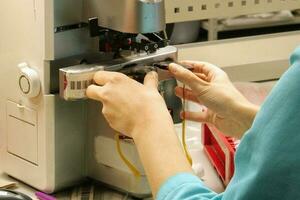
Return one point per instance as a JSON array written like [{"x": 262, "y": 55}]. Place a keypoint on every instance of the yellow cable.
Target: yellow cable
[
  {"x": 187, "y": 154},
  {"x": 131, "y": 167}
]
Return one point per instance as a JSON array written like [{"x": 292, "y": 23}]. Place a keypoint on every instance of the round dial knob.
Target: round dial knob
[
  {"x": 29, "y": 81},
  {"x": 24, "y": 84}
]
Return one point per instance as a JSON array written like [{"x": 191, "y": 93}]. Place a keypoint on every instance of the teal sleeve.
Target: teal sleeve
[
  {"x": 268, "y": 159},
  {"x": 185, "y": 186}
]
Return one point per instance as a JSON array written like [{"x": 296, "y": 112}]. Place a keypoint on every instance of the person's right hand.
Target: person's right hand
[{"x": 226, "y": 107}]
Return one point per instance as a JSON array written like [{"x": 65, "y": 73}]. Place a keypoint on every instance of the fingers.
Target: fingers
[
  {"x": 94, "y": 92},
  {"x": 197, "y": 116},
  {"x": 202, "y": 76},
  {"x": 202, "y": 67},
  {"x": 187, "y": 94},
  {"x": 185, "y": 76},
  {"x": 151, "y": 80},
  {"x": 103, "y": 77}
]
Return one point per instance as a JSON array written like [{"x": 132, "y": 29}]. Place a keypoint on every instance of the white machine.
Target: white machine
[
  {"x": 49, "y": 50},
  {"x": 54, "y": 47}
]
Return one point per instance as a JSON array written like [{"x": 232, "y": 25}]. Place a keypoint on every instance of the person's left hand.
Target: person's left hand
[{"x": 127, "y": 104}]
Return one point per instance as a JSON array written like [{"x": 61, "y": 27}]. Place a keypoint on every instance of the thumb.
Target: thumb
[
  {"x": 151, "y": 80},
  {"x": 186, "y": 76}
]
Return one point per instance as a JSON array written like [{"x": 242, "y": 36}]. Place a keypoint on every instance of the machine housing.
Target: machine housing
[{"x": 46, "y": 141}]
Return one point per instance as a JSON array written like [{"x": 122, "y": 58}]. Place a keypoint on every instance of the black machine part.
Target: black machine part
[
  {"x": 114, "y": 41},
  {"x": 12, "y": 195}
]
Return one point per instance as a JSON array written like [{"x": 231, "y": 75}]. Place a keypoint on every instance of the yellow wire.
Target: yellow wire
[
  {"x": 131, "y": 167},
  {"x": 187, "y": 154}
]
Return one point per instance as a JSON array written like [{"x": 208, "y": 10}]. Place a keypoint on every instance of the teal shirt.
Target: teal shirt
[{"x": 267, "y": 162}]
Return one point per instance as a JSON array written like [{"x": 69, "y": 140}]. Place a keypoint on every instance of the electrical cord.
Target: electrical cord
[
  {"x": 187, "y": 154},
  {"x": 130, "y": 166}
]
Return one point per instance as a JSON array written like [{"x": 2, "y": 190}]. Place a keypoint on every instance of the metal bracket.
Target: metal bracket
[{"x": 64, "y": 28}]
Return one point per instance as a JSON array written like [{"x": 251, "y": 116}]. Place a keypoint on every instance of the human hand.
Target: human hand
[
  {"x": 127, "y": 104},
  {"x": 226, "y": 107},
  {"x": 139, "y": 111}
]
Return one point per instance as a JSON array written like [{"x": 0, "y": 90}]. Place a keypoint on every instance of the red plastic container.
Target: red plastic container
[{"x": 220, "y": 151}]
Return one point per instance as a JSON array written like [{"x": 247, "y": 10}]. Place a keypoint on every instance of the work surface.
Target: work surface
[{"x": 200, "y": 160}]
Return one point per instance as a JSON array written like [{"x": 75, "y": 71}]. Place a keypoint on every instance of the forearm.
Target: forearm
[{"x": 160, "y": 151}]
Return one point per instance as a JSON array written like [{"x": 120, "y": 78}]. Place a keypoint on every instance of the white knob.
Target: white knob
[{"x": 29, "y": 81}]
